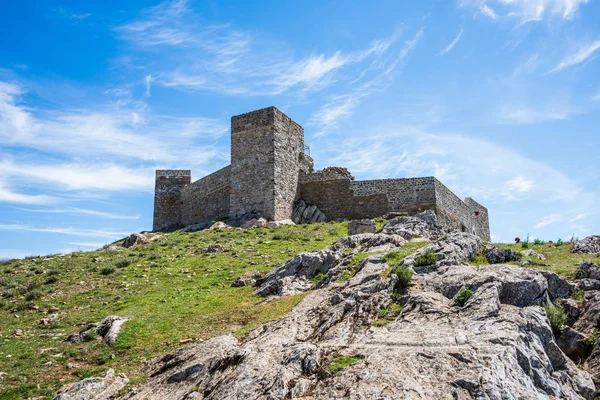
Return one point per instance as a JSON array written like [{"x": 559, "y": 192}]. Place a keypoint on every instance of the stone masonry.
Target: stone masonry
[{"x": 270, "y": 172}]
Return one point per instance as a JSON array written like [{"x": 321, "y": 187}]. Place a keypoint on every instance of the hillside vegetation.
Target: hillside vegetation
[
  {"x": 171, "y": 291},
  {"x": 175, "y": 290}
]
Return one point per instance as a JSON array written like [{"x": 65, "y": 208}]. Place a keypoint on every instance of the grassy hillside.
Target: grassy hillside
[{"x": 168, "y": 287}]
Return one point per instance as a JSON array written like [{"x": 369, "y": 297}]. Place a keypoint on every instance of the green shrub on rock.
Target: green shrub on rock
[
  {"x": 556, "y": 315},
  {"x": 462, "y": 297},
  {"x": 404, "y": 275},
  {"x": 430, "y": 257}
]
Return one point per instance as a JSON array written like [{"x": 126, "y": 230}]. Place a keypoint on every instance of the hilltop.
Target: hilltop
[{"x": 176, "y": 290}]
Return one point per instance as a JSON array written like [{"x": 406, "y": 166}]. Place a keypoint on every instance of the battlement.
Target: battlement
[{"x": 270, "y": 170}]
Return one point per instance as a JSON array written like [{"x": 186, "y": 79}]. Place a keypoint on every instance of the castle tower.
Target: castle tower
[
  {"x": 266, "y": 148},
  {"x": 167, "y": 198}
]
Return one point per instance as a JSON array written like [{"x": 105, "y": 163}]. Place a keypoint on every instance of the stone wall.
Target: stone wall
[
  {"x": 336, "y": 199},
  {"x": 167, "y": 198},
  {"x": 207, "y": 199},
  {"x": 266, "y": 147},
  {"x": 327, "y": 174},
  {"x": 411, "y": 195},
  {"x": 289, "y": 152},
  {"x": 481, "y": 218}
]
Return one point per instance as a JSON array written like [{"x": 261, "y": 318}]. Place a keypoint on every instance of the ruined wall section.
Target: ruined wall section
[
  {"x": 327, "y": 174},
  {"x": 481, "y": 218},
  {"x": 207, "y": 199},
  {"x": 411, "y": 195},
  {"x": 336, "y": 199},
  {"x": 167, "y": 198},
  {"x": 288, "y": 145}
]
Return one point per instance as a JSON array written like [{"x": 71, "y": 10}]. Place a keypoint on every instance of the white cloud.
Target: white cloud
[
  {"x": 519, "y": 184},
  {"x": 527, "y": 10},
  {"x": 148, "y": 80},
  {"x": 341, "y": 107},
  {"x": 217, "y": 57},
  {"x": 581, "y": 55},
  {"x": 81, "y": 211},
  {"x": 453, "y": 43},
  {"x": 9, "y": 196},
  {"x": 548, "y": 220},
  {"x": 95, "y": 245},
  {"x": 103, "y": 233}
]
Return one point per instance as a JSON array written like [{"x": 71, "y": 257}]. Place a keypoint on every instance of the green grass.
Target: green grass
[
  {"x": 169, "y": 289},
  {"x": 558, "y": 258},
  {"x": 428, "y": 258},
  {"x": 556, "y": 315},
  {"x": 387, "y": 315},
  {"x": 342, "y": 362}
]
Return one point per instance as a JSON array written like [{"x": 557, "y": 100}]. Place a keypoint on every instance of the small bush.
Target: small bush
[
  {"x": 90, "y": 335},
  {"x": 387, "y": 315},
  {"x": 559, "y": 242},
  {"x": 428, "y": 258},
  {"x": 578, "y": 296},
  {"x": 124, "y": 262},
  {"x": 587, "y": 345},
  {"x": 107, "y": 270},
  {"x": 462, "y": 297},
  {"x": 9, "y": 292},
  {"x": 538, "y": 241},
  {"x": 33, "y": 295},
  {"x": 51, "y": 279},
  {"x": 556, "y": 315},
  {"x": 404, "y": 275}
]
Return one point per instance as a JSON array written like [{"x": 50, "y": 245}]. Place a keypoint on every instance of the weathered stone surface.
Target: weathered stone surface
[
  {"x": 249, "y": 278},
  {"x": 219, "y": 225},
  {"x": 305, "y": 213},
  {"x": 496, "y": 255},
  {"x": 213, "y": 248},
  {"x": 587, "y": 270},
  {"x": 197, "y": 227},
  {"x": 422, "y": 225},
  {"x": 533, "y": 253},
  {"x": 569, "y": 341},
  {"x": 134, "y": 239},
  {"x": 359, "y": 226},
  {"x": 589, "y": 245},
  {"x": 104, "y": 388},
  {"x": 275, "y": 224},
  {"x": 110, "y": 327},
  {"x": 590, "y": 313},
  {"x": 255, "y": 223},
  {"x": 453, "y": 249}
]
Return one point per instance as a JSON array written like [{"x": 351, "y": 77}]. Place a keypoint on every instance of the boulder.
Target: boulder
[
  {"x": 590, "y": 314},
  {"x": 569, "y": 341},
  {"x": 496, "y": 255},
  {"x": 103, "y": 388},
  {"x": 213, "y": 248},
  {"x": 249, "y": 278},
  {"x": 275, "y": 224},
  {"x": 533, "y": 253},
  {"x": 134, "y": 239},
  {"x": 587, "y": 270},
  {"x": 422, "y": 225},
  {"x": 306, "y": 213},
  {"x": 197, "y": 227},
  {"x": 589, "y": 245},
  {"x": 110, "y": 327},
  {"x": 359, "y": 226},
  {"x": 219, "y": 225}
]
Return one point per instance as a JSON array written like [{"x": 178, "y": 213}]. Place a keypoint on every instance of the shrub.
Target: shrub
[
  {"x": 9, "y": 292},
  {"x": 51, "y": 279},
  {"x": 559, "y": 242},
  {"x": 462, "y": 297},
  {"x": 123, "y": 262},
  {"x": 404, "y": 275},
  {"x": 393, "y": 258},
  {"x": 538, "y": 241},
  {"x": 578, "y": 296},
  {"x": 33, "y": 295},
  {"x": 556, "y": 315},
  {"x": 428, "y": 258},
  {"x": 107, "y": 270},
  {"x": 90, "y": 335},
  {"x": 587, "y": 345}
]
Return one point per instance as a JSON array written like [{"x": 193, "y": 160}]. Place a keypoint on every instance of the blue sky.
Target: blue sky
[{"x": 500, "y": 99}]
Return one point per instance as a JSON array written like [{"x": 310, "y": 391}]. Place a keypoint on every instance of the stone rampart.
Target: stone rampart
[
  {"x": 207, "y": 199},
  {"x": 411, "y": 195},
  {"x": 167, "y": 197}
]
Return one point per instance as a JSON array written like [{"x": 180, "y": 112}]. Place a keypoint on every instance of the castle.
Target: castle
[{"x": 270, "y": 172}]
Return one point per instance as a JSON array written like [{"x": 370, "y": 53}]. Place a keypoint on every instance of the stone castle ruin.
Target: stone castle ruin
[{"x": 271, "y": 176}]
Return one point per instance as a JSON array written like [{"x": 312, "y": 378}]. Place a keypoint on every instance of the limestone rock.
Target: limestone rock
[
  {"x": 587, "y": 270},
  {"x": 103, "y": 388},
  {"x": 305, "y": 213},
  {"x": 219, "y": 225},
  {"x": 275, "y": 224},
  {"x": 358, "y": 226},
  {"x": 422, "y": 225},
  {"x": 255, "y": 223},
  {"x": 496, "y": 255},
  {"x": 533, "y": 253},
  {"x": 453, "y": 249},
  {"x": 213, "y": 248},
  {"x": 589, "y": 245},
  {"x": 590, "y": 313},
  {"x": 134, "y": 239},
  {"x": 569, "y": 341},
  {"x": 110, "y": 327},
  {"x": 249, "y": 278}
]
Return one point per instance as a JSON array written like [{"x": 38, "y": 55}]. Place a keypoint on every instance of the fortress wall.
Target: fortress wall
[
  {"x": 452, "y": 211},
  {"x": 480, "y": 217},
  {"x": 411, "y": 195},
  {"x": 336, "y": 199},
  {"x": 288, "y": 148},
  {"x": 169, "y": 185},
  {"x": 327, "y": 174},
  {"x": 206, "y": 199}
]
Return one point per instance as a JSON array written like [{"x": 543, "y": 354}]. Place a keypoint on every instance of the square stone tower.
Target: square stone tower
[{"x": 266, "y": 148}]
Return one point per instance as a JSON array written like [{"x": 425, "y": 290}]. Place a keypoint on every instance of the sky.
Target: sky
[{"x": 499, "y": 99}]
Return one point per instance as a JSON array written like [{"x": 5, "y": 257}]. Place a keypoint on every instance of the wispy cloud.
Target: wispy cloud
[
  {"x": 63, "y": 12},
  {"x": 516, "y": 113},
  {"x": 65, "y": 231},
  {"x": 9, "y": 196},
  {"x": 94, "y": 245},
  {"x": 519, "y": 184},
  {"x": 548, "y": 220},
  {"x": 81, "y": 211},
  {"x": 453, "y": 43},
  {"x": 341, "y": 107},
  {"x": 527, "y": 10},
  {"x": 233, "y": 62},
  {"x": 148, "y": 80},
  {"x": 584, "y": 53}
]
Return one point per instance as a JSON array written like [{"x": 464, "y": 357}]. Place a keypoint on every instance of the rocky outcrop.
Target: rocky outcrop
[
  {"x": 423, "y": 225},
  {"x": 589, "y": 245},
  {"x": 104, "y": 388},
  {"x": 108, "y": 329},
  {"x": 497, "y": 345},
  {"x": 305, "y": 213},
  {"x": 358, "y": 226},
  {"x": 496, "y": 255}
]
